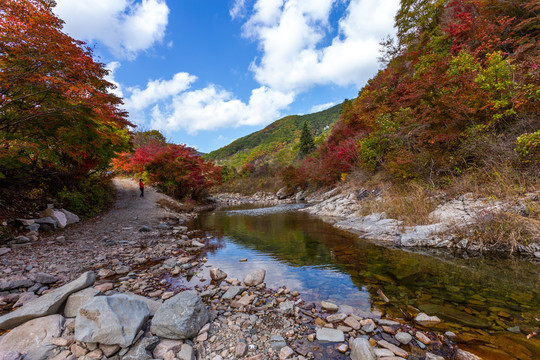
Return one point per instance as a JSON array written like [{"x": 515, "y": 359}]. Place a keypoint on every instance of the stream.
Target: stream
[{"x": 491, "y": 303}]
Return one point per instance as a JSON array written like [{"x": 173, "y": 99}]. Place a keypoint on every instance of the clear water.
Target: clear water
[{"x": 478, "y": 298}]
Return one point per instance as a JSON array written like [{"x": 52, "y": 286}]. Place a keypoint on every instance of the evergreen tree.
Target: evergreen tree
[{"x": 306, "y": 141}]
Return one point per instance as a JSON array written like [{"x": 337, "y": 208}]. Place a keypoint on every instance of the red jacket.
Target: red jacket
[{"x": 141, "y": 185}]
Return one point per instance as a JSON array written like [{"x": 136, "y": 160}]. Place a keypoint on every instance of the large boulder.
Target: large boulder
[
  {"x": 47, "y": 223},
  {"x": 255, "y": 278},
  {"x": 48, "y": 304},
  {"x": 57, "y": 215},
  {"x": 111, "y": 320},
  {"x": 180, "y": 317},
  {"x": 33, "y": 336},
  {"x": 78, "y": 299},
  {"x": 70, "y": 217}
]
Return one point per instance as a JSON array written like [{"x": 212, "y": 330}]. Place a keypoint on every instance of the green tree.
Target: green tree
[{"x": 306, "y": 141}]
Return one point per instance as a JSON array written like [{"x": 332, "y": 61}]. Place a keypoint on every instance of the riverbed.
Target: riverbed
[{"x": 490, "y": 302}]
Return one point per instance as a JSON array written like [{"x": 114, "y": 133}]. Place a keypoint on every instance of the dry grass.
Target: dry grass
[
  {"x": 502, "y": 231},
  {"x": 411, "y": 203},
  {"x": 176, "y": 206}
]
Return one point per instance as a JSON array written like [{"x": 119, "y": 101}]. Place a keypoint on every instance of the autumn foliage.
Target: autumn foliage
[
  {"x": 58, "y": 119},
  {"x": 463, "y": 76},
  {"x": 176, "y": 169}
]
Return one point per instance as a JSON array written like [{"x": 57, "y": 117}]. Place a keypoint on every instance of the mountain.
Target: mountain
[{"x": 278, "y": 142}]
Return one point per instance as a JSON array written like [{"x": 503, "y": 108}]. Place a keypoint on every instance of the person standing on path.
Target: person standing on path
[{"x": 141, "y": 187}]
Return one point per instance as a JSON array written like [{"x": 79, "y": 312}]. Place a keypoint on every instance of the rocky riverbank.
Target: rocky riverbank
[
  {"x": 136, "y": 261},
  {"x": 344, "y": 208}
]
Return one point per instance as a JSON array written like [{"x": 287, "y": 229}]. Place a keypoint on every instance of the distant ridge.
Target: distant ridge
[{"x": 277, "y": 141}]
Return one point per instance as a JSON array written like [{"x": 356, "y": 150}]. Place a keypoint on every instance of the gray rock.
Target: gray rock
[
  {"x": 142, "y": 350},
  {"x": 47, "y": 224},
  {"x": 10, "y": 355},
  {"x": 57, "y": 215},
  {"x": 145, "y": 228},
  {"x": 361, "y": 349},
  {"x": 44, "y": 278},
  {"x": 15, "y": 284},
  {"x": 330, "y": 335},
  {"x": 403, "y": 337},
  {"x": 70, "y": 217},
  {"x": 76, "y": 300},
  {"x": 277, "y": 342},
  {"x": 232, "y": 292},
  {"x": 287, "y": 308},
  {"x": 186, "y": 353},
  {"x": 431, "y": 356},
  {"x": 166, "y": 345},
  {"x": 426, "y": 320},
  {"x": 48, "y": 304},
  {"x": 153, "y": 305},
  {"x": 33, "y": 227},
  {"x": 300, "y": 196},
  {"x": 4, "y": 251},
  {"x": 32, "y": 335},
  {"x": 180, "y": 317},
  {"x": 255, "y": 277},
  {"x": 111, "y": 320}
]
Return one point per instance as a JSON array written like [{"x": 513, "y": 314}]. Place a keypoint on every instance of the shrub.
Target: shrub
[{"x": 87, "y": 198}]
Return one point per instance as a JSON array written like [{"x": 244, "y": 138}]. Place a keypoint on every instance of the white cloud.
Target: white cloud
[
  {"x": 322, "y": 107},
  {"x": 112, "y": 66},
  {"x": 238, "y": 9},
  {"x": 211, "y": 108},
  {"x": 298, "y": 52},
  {"x": 126, "y": 27}
]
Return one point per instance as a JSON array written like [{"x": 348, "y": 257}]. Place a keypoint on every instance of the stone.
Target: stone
[
  {"x": 453, "y": 315},
  {"x": 426, "y": 320},
  {"x": 78, "y": 299},
  {"x": 343, "y": 348},
  {"x": 255, "y": 277},
  {"x": 361, "y": 349},
  {"x": 111, "y": 320},
  {"x": 393, "y": 348},
  {"x": 71, "y": 218},
  {"x": 16, "y": 284},
  {"x": 33, "y": 335},
  {"x": 403, "y": 337},
  {"x": 287, "y": 308},
  {"x": 423, "y": 338},
  {"x": 180, "y": 317},
  {"x": 431, "y": 356},
  {"x": 284, "y": 193},
  {"x": 217, "y": 274},
  {"x": 44, "y": 278},
  {"x": 186, "y": 353},
  {"x": 277, "y": 342},
  {"x": 153, "y": 305},
  {"x": 10, "y": 355},
  {"x": 465, "y": 355},
  {"x": 25, "y": 298},
  {"x": 142, "y": 350},
  {"x": 47, "y": 304},
  {"x": 328, "y": 306},
  {"x": 240, "y": 350},
  {"x": 334, "y": 318},
  {"x": 4, "y": 251},
  {"x": 47, "y": 224},
  {"x": 145, "y": 228},
  {"x": 109, "y": 350},
  {"x": 104, "y": 287},
  {"x": 244, "y": 301},
  {"x": 285, "y": 353},
  {"x": 383, "y": 353},
  {"x": 232, "y": 292},
  {"x": 330, "y": 335},
  {"x": 352, "y": 322},
  {"x": 57, "y": 215}
]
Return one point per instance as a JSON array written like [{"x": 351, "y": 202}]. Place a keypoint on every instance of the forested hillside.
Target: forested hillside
[
  {"x": 278, "y": 142},
  {"x": 459, "y": 95}
]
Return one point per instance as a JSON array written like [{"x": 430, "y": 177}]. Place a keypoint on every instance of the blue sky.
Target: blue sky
[{"x": 206, "y": 72}]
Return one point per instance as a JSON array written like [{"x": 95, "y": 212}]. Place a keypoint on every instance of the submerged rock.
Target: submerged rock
[{"x": 454, "y": 315}]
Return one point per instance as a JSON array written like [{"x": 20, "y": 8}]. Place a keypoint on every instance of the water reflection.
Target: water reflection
[{"x": 485, "y": 300}]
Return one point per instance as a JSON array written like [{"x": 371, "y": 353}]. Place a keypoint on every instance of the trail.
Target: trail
[{"x": 109, "y": 237}]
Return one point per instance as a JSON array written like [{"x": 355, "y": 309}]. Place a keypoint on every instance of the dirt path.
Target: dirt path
[{"x": 111, "y": 237}]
